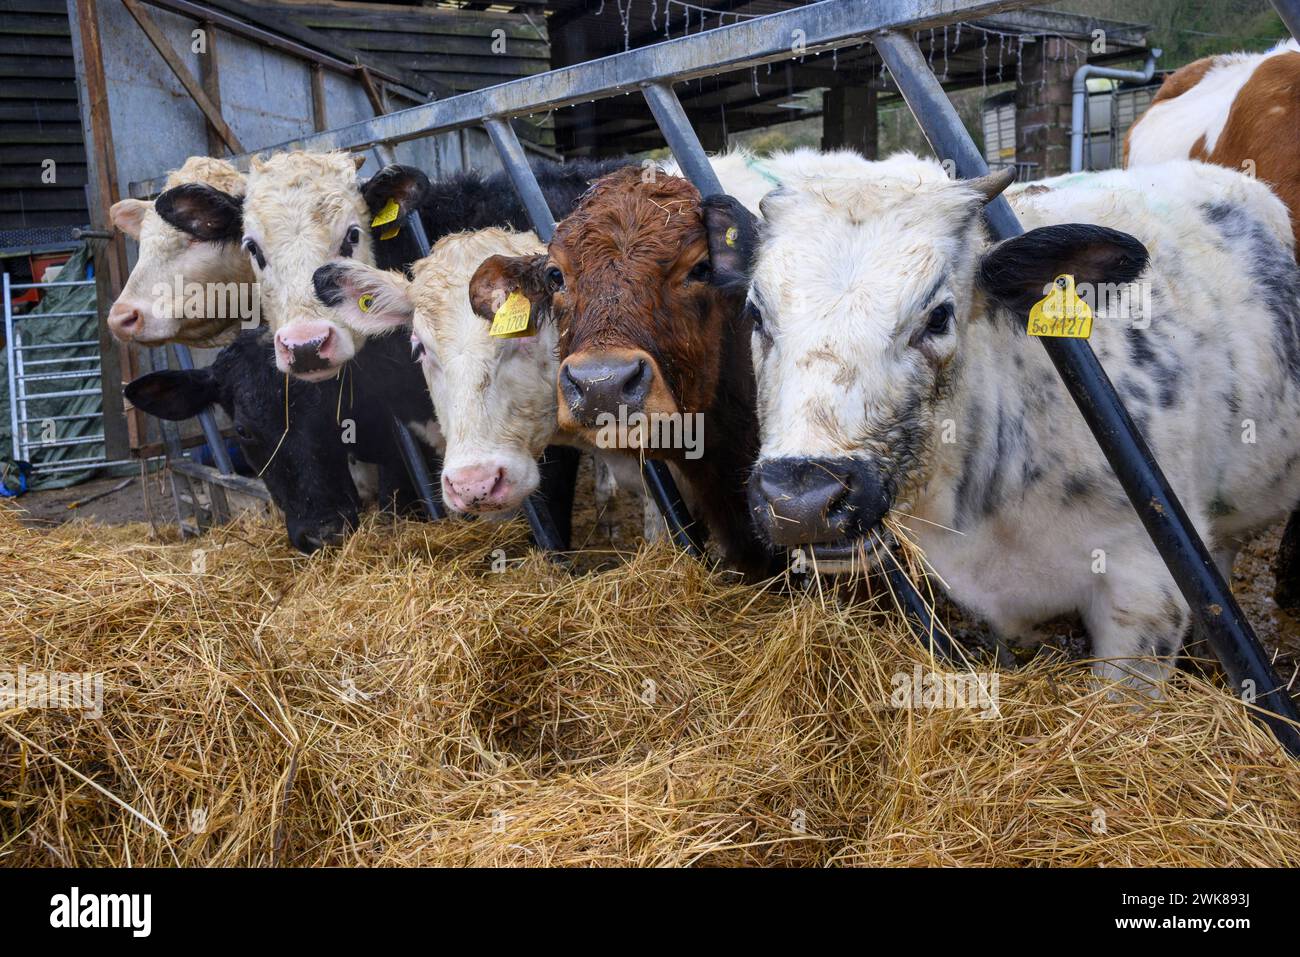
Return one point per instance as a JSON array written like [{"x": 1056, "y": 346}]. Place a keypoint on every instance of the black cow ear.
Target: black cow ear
[
  {"x": 404, "y": 185},
  {"x": 1015, "y": 273},
  {"x": 174, "y": 394},
  {"x": 203, "y": 211},
  {"x": 733, "y": 239}
]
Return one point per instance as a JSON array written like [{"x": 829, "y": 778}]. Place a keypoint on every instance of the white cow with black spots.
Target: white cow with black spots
[{"x": 895, "y": 373}]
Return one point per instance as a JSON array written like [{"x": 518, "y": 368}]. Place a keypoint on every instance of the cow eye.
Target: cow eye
[
  {"x": 554, "y": 278},
  {"x": 940, "y": 320},
  {"x": 242, "y": 432},
  {"x": 417, "y": 348},
  {"x": 350, "y": 240},
  {"x": 702, "y": 271},
  {"x": 254, "y": 250},
  {"x": 754, "y": 316}
]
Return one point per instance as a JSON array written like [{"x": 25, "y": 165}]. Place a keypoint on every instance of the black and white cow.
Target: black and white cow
[
  {"x": 895, "y": 374},
  {"x": 304, "y": 461}
]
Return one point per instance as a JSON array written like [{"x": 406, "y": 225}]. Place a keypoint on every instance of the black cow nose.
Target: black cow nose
[
  {"x": 603, "y": 383},
  {"x": 807, "y": 501}
]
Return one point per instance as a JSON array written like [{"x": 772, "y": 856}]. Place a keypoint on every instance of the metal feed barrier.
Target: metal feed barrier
[{"x": 822, "y": 27}]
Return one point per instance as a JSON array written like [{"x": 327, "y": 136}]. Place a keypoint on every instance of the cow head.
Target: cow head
[
  {"x": 640, "y": 299},
  {"x": 304, "y": 465},
  {"x": 866, "y": 291},
  {"x": 301, "y": 210},
  {"x": 159, "y": 302},
  {"x": 494, "y": 397}
]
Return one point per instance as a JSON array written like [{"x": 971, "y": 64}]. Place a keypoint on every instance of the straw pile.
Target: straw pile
[{"x": 399, "y": 701}]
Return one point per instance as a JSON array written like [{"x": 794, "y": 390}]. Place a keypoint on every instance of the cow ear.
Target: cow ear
[
  {"x": 174, "y": 394},
  {"x": 203, "y": 211},
  {"x": 404, "y": 185},
  {"x": 370, "y": 300},
  {"x": 128, "y": 215},
  {"x": 733, "y": 239},
  {"x": 1015, "y": 272},
  {"x": 499, "y": 276}
]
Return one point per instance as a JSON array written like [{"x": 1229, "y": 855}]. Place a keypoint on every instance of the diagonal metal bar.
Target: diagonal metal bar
[
  {"x": 1213, "y": 608},
  {"x": 659, "y": 480},
  {"x": 1289, "y": 11},
  {"x": 682, "y": 140}
]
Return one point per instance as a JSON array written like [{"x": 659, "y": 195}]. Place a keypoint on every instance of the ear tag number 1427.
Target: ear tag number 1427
[
  {"x": 1061, "y": 314},
  {"x": 514, "y": 319}
]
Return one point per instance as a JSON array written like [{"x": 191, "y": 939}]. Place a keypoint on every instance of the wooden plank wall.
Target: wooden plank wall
[{"x": 39, "y": 118}]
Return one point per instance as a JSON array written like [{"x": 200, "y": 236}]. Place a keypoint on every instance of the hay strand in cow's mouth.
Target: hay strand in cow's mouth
[{"x": 442, "y": 694}]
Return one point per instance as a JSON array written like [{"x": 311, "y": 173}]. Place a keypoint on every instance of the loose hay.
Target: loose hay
[{"x": 399, "y": 702}]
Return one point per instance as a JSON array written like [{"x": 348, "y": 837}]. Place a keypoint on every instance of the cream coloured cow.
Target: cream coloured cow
[
  {"x": 895, "y": 373},
  {"x": 149, "y": 312},
  {"x": 494, "y": 398}
]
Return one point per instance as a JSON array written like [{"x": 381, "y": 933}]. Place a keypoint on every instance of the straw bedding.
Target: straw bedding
[{"x": 414, "y": 698}]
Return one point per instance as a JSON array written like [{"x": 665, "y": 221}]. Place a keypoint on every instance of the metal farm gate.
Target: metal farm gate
[{"x": 890, "y": 26}]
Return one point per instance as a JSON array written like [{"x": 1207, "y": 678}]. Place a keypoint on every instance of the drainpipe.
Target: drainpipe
[{"x": 1080, "y": 99}]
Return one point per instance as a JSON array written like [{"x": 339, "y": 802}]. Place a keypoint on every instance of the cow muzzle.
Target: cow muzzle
[
  {"x": 308, "y": 350},
  {"x": 798, "y": 501},
  {"x": 592, "y": 384},
  {"x": 308, "y": 535}
]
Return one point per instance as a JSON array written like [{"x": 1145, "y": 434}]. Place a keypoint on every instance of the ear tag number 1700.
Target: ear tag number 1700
[
  {"x": 1061, "y": 314},
  {"x": 514, "y": 319}
]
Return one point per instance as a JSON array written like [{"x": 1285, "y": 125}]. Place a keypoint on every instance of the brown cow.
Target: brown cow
[
  {"x": 649, "y": 299},
  {"x": 1240, "y": 110}
]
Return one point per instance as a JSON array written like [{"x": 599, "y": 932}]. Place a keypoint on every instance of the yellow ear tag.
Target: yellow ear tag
[
  {"x": 391, "y": 231},
  {"x": 1061, "y": 314},
  {"x": 732, "y": 234},
  {"x": 366, "y": 302},
  {"x": 514, "y": 319},
  {"x": 387, "y": 214}
]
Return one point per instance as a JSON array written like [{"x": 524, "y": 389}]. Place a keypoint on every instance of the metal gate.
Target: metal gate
[{"x": 820, "y": 27}]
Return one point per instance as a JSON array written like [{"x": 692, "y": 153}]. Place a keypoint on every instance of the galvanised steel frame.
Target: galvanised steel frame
[{"x": 828, "y": 25}]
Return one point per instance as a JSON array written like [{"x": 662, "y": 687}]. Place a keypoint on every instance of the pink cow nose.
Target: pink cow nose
[
  {"x": 476, "y": 488},
  {"x": 305, "y": 346},
  {"x": 124, "y": 321}
]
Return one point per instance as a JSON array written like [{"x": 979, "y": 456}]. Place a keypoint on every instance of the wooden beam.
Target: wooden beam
[
  {"x": 210, "y": 77},
  {"x": 118, "y": 365},
  {"x": 182, "y": 72},
  {"x": 372, "y": 91},
  {"x": 319, "y": 116}
]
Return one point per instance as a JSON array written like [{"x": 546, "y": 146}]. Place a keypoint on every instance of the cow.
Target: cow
[
  {"x": 302, "y": 210},
  {"x": 494, "y": 397},
  {"x": 648, "y": 306},
  {"x": 301, "y": 444},
  {"x": 1240, "y": 110},
  {"x": 895, "y": 376},
  {"x": 149, "y": 310}
]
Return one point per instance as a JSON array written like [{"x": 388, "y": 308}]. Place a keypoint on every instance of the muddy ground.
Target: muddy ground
[{"x": 149, "y": 501}]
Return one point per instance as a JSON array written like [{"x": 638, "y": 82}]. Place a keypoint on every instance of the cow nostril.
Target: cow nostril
[{"x": 637, "y": 383}]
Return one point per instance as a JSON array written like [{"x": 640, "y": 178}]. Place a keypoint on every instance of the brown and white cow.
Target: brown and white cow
[
  {"x": 1240, "y": 110},
  {"x": 149, "y": 311},
  {"x": 648, "y": 304},
  {"x": 895, "y": 373}
]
